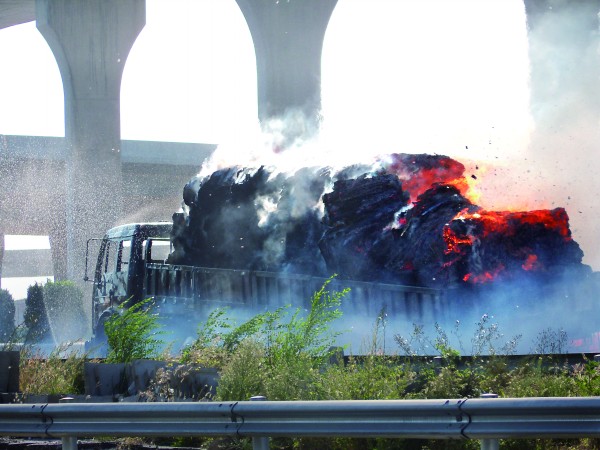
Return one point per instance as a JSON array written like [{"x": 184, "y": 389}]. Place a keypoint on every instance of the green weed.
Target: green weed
[{"x": 133, "y": 333}]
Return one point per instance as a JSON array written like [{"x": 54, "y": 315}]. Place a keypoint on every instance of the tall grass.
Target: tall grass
[{"x": 61, "y": 372}]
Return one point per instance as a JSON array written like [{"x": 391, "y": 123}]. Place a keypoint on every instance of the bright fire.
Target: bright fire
[
  {"x": 419, "y": 172},
  {"x": 518, "y": 235},
  {"x": 482, "y": 245},
  {"x": 507, "y": 222}
]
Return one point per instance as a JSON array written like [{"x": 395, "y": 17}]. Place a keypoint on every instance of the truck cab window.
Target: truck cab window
[
  {"x": 156, "y": 250},
  {"x": 123, "y": 255},
  {"x": 110, "y": 256}
]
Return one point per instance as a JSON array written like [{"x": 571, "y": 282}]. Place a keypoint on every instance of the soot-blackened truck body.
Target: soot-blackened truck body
[
  {"x": 120, "y": 267},
  {"x": 131, "y": 267}
]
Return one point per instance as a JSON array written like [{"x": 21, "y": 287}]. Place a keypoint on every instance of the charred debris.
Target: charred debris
[{"x": 406, "y": 219}]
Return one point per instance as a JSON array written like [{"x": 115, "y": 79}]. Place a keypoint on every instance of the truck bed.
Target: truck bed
[{"x": 200, "y": 288}]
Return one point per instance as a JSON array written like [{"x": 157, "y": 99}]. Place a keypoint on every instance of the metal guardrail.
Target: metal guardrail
[{"x": 485, "y": 419}]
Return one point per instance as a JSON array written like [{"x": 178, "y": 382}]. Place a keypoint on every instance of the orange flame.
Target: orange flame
[
  {"x": 454, "y": 242},
  {"x": 418, "y": 176},
  {"x": 502, "y": 224},
  {"x": 531, "y": 263},
  {"x": 505, "y": 222},
  {"x": 485, "y": 277}
]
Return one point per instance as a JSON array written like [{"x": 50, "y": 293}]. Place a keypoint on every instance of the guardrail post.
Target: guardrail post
[
  {"x": 489, "y": 444},
  {"x": 261, "y": 442},
  {"x": 68, "y": 442}
]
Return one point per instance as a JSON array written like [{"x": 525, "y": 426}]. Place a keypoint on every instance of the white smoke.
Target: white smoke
[
  {"x": 565, "y": 103},
  {"x": 288, "y": 143}
]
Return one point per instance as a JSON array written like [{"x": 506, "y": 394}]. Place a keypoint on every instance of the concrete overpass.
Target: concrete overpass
[
  {"x": 96, "y": 175},
  {"x": 33, "y": 171}
]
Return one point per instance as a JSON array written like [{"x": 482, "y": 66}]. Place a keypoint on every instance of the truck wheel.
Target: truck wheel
[{"x": 98, "y": 345}]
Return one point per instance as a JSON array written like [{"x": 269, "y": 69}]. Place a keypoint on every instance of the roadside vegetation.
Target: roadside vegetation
[
  {"x": 7, "y": 315},
  {"x": 289, "y": 354},
  {"x": 133, "y": 333}
]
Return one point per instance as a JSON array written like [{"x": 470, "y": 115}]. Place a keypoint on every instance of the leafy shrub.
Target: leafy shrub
[
  {"x": 243, "y": 376},
  {"x": 587, "y": 378},
  {"x": 35, "y": 317},
  {"x": 293, "y": 346},
  {"x": 369, "y": 378},
  {"x": 212, "y": 346},
  {"x": 132, "y": 333},
  {"x": 7, "y": 315},
  {"x": 64, "y": 304},
  {"x": 310, "y": 334}
]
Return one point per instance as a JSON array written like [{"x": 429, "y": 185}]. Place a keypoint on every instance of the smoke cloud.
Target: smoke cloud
[{"x": 561, "y": 160}]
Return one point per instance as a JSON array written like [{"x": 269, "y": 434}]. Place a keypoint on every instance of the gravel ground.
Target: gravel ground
[
  {"x": 92, "y": 444},
  {"x": 53, "y": 444}
]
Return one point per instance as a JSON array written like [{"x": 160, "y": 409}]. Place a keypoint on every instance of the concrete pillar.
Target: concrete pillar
[
  {"x": 288, "y": 40},
  {"x": 1, "y": 255},
  {"x": 91, "y": 41},
  {"x": 57, "y": 233},
  {"x": 58, "y": 245}
]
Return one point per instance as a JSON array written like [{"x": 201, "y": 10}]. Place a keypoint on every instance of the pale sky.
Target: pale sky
[
  {"x": 416, "y": 76},
  {"x": 420, "y": 76}
]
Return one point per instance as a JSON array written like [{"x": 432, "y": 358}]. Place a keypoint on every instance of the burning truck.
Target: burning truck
[{"x": 402, "y": 233}]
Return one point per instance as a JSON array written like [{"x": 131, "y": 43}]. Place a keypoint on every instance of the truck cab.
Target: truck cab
[{"x": 119, "y": 272}]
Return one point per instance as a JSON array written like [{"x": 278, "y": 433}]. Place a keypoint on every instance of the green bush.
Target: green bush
[
  {"x": 35, "y": 317},
  {"x": 243, "y": 375},
  {"x": 294, "y": 347},
  {"x": 371, "y": 377},
  {"x": 587, "y": 378},
  {"x": 527, "y": 383},
  {"x": 64, "y": 304},
  {"x": 212, "y": 345},
  {"x": 310, "y": 335},
  {"x": 7, "y": 315},
  {"x": 132, "y": 333}
]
